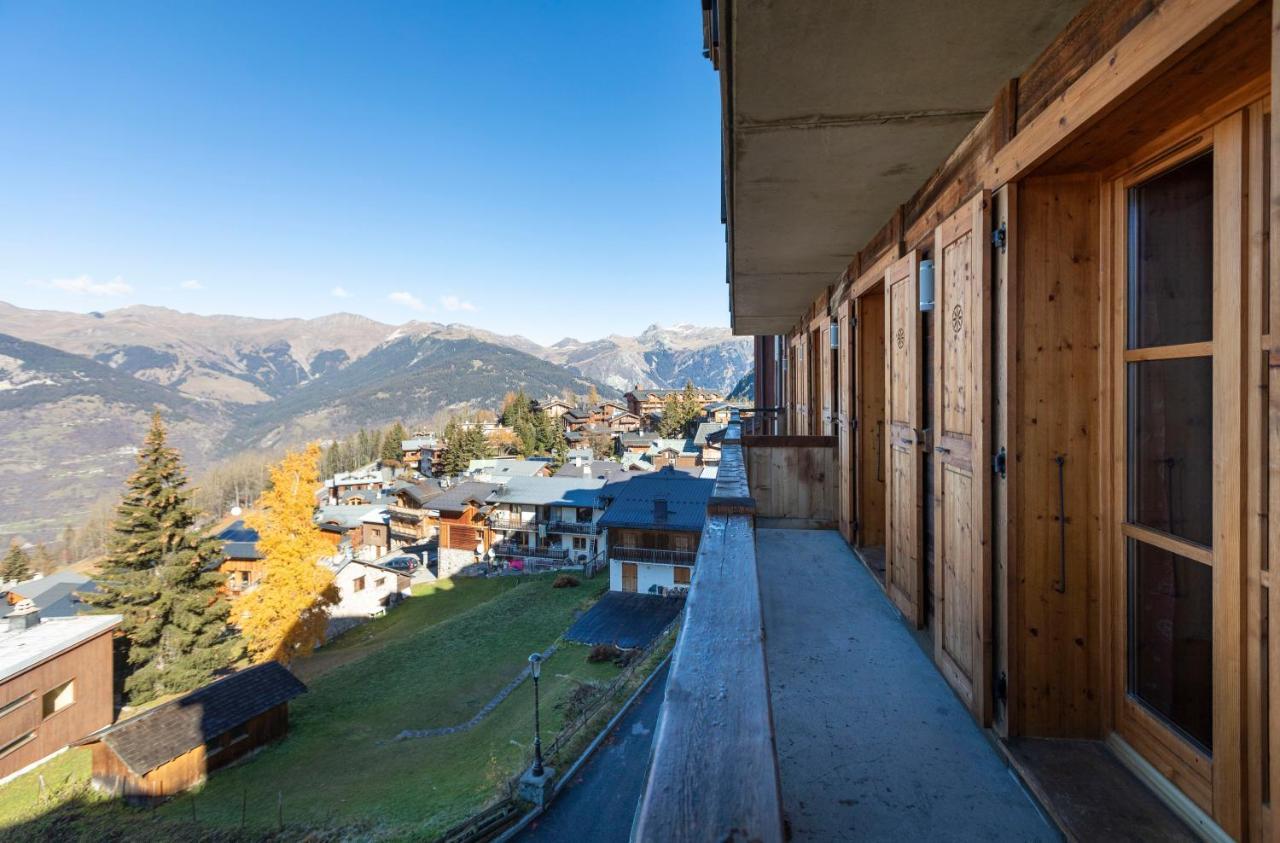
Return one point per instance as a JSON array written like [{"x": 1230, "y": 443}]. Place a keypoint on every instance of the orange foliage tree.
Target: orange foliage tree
[{"x": 285, "y": 616}]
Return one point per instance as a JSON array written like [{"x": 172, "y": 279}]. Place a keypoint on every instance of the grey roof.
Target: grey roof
[
  {"x": 542, "y": 490},
  {"x": 707, "y": 429},
  {"x": 599, "y": 469},
  {"x": 506, "y": 468},
  {"x": 24, "y": 649},
  {"x": 636, "y": 438},
  {"x": 54, "y": 595},
  {"x": 422, "y": 491},
  {"x": 167, "y": 731},
  {"x": 419, "y": 443},
  {"x": 632, "y": 506},
  {"x": 680, "y": 446},
  {"x": 345, "y": 516},
  {"x": 455, "y": 499},
  {"x": 239, "y": 541}
]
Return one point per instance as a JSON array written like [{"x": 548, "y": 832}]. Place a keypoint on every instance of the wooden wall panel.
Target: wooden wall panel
[
  {"x": 872, "y": 427},
  {"x": 794, "y": 478},
  {"x": 904, "y": 569},
  {"x": 1057, "y": 624}
]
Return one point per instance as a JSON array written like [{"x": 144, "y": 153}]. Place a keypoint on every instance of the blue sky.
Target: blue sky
[{"x": 546, "y": 168}]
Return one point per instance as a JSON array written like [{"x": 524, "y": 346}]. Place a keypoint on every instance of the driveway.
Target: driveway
[{"x": 599, "y": 803}]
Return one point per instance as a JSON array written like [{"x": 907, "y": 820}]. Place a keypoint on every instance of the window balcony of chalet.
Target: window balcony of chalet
[
  {"x": 502, "y": 520},
  {"x": 577, "y": 528},
  {"x": 657, "y": 555},
  {"x": 518, "y": 550}
]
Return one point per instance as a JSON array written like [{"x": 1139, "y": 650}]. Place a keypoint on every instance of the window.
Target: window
[
  {"x": 379, "y": 582},
  {"x": 358, "y": 584},
  {"x": 14, "y": 705},
  {"x": 579, "y": 543},
  {"x": 17, "y": 743},
  {"x": 584, "y": 515},
  {"x": 682, "y": 575},
  {"x": 59, "y": 698}
]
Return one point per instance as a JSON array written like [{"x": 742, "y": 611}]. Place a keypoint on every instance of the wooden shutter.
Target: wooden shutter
[
  {"x": 844, "y": 420},
  {"x": 904, "y": 560},
  {"x": 961, "y": 476}
]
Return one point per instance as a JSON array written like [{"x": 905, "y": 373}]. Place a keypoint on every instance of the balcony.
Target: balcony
[
  {"x": 577, "y": 528},
  {"x": 512, "y": 521},
  {"x": 515, "y": 549},
  {"x": 655, "y": 555}
]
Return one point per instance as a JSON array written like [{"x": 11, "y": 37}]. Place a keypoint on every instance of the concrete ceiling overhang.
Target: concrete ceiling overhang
[{"x": 837, "y": 111}]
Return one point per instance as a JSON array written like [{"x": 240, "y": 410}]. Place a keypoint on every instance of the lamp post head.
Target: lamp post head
[{"x": 535, "y": 665}]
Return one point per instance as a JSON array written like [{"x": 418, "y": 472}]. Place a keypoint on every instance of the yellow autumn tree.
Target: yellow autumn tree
[{"x": 285, "y": 616}]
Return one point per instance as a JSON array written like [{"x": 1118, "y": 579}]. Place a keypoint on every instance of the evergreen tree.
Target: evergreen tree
[
  {"x": 559, "y": 453},
  {"x": 462, "y": 445},
  {"x": 286, "y": 615},
  {"x": 17, "y": 564},
  {"x": 160, "y": 574},
  {"x": 391, "y": 443}
]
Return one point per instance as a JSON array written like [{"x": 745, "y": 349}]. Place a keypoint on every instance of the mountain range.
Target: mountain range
[{"x": 76, "y": 389}]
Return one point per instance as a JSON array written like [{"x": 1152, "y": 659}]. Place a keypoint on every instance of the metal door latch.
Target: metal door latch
[
  {"x": 999, "y": 463},
  {"x": 1000, "y": 237}
]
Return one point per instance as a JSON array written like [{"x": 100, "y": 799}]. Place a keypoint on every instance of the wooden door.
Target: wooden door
[
  {"x": 904, "y": 560},
  {"x": 845, "y": 418},
  {"x": 629, "y": 577},
  {"x": 962, "y": 487}
]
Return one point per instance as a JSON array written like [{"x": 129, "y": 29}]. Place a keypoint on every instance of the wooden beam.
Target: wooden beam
[{"x": 1168, "y": 33}]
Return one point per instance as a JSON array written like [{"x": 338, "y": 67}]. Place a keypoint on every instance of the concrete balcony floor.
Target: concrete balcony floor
[{"x": 872, "y": 744}]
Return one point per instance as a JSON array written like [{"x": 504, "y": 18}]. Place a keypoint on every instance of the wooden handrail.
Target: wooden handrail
[{"x": 713, "y": 772}]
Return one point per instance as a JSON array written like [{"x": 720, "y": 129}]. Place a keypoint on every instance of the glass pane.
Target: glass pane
[
  {"x": 1171, "y": 447},
  {"x": 1171, "y": 256},
  {"x": 1171, "y": 638}
]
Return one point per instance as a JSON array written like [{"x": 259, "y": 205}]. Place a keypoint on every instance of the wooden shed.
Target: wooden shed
[{"x": 174, "y": 746}]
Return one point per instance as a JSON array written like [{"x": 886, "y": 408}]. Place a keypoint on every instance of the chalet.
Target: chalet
[
  {"x": 579, "y": 466},
  {"x": 465, "y": 535},
  {"x": 242, "y": 564},
  {"x": 410, "y": 517},
  {"x": 707, "y": 440},
  {"x": 56, "y": 683},
  {"x": 544, "y": 521},
  {"x": 375, "y": 534},
  {"x": 648, "y": 402},
  {"x": 422, "y": 453},
  {"x": 653, "y": 527},
  {"x": 677, "y": 453},
  {"x": 54, "y": 595},
  {"x": 365, "y": 589},
  {"x": 553, "y": 407},
  {"x": 1013, "y": 280},
  {"x": 174, "y": 746},
  {"x": 369, "y": 480},
  {"x": 718, "y": 412}
]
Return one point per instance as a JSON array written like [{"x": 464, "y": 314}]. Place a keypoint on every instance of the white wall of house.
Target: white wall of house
[
  {"x": 378, "y": 585},
  {"x": 648, "y": 576}
]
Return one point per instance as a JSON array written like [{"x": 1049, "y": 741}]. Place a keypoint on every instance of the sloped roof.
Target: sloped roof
[
  {"x": 239, "y": 541},
  {"x": 541, "y": 490},
  {"x": 20, "y": 650},
  {"x": 422, "y": 491},
  {"x": 599, "y": 469},
  {"x": 167, "y": 731},
  {"x": 707, "y": 430},
  {"x": 54, "y": 596},
  {"x": 680, "y": 446},
  {"x": 506, "y": 468},
  {"x": 686, "y": 498},
  {"x": 456, "y": 499}
]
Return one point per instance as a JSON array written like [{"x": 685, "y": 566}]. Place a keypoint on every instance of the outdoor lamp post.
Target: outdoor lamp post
[{"x": 535, "y": 670}]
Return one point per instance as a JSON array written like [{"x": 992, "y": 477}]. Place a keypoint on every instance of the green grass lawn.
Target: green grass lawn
[{"x": 434, "y": 661}]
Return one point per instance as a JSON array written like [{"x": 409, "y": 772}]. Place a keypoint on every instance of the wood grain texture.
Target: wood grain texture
[
  {"x": 713, "y": 772},
  {"x": 872, "y": 433},
  {"x": 904, "y": 553}
]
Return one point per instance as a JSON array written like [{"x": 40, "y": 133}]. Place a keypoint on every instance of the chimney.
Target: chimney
[
  {"x": 23, "y": 617},
  {"x": 660, "y": 510},
  {"x": 586, "y": 470}
]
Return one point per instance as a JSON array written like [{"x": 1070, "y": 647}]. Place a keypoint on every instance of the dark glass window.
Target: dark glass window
[
  {"x": 1171, "y": 256},
  {"x": 1171, "y": 638},
  {"x": 1171, "y": 447}
]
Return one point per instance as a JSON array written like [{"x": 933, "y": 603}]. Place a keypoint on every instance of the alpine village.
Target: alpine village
[{"x": 974, "y": 544}]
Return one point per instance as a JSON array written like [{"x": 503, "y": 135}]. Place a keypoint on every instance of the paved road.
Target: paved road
[{"x": 600, "y": 802}]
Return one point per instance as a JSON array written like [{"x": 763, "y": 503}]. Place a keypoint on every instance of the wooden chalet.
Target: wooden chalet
[
  {"x": 174, "y": 746},
  {"x": 242, "y": 564},
  {"x": 1010, "y": 272},
  {"x": 646, "y": 402},
  {"x": 465, "y": 535}
]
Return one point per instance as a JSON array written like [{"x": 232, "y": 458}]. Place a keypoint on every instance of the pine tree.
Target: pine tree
[
  {"x": 17, "y": 564},
  {"x": 286, "y": 615},
  {"x": 160, "y": 574},
  {"x": 462, "y": 445},
  {"x": 391, "y": 443}
]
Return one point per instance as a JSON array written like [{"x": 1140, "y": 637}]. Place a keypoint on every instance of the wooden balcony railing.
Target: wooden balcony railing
[
  {"x": 517, "y": 549},
  {"x": 576, "y": 528},
  {"x": 653, "y": 554},
  {"x": 512, "y": 521},
  {"x": 713, "y": 773}
]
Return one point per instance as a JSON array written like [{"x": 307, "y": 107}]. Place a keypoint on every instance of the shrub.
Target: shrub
[
  {"x": 565, "y": 581},
  {"x": 604, "y": 653}
]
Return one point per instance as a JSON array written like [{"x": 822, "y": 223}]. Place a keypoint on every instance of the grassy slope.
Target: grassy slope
[
  {"x": 434, "y": 661},
  {"x": 340, "y": 762}
]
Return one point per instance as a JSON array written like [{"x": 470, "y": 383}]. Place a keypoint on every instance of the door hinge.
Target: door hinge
[
  {"x": 855, "y": 424},
  {"x": 853, "y": 321},
  {"x": 1002, "y": 687},
  {"x": 857, "y": 527},
  {"x": 1000, "y": 238},
  {"x": 999, "y": 463}
]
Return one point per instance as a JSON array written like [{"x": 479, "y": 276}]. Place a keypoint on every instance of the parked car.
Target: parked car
[{"x": 407, "y": 564}]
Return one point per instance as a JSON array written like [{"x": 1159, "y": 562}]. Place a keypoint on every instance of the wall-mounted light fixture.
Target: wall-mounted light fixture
[
  {"x": 926, "y": 285},
  {"x": 835, "y": 334}
]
